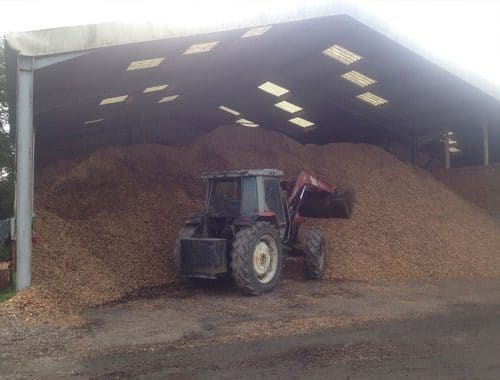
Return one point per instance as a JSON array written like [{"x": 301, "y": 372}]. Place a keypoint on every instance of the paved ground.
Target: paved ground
[{"x": 446, "y": 329}]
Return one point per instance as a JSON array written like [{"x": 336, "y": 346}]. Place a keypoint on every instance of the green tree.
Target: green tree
[{"x": 6, "y": 146}]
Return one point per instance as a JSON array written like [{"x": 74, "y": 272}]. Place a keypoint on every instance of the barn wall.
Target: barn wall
[{"x": 168, "y": 133}]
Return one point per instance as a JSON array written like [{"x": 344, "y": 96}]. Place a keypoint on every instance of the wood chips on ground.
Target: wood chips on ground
[{"x": 108, "y": 221}]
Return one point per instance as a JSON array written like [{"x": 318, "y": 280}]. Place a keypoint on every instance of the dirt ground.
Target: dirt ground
[{"x": 439, "y": 329}]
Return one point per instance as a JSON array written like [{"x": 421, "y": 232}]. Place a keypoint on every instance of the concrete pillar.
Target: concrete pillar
[
  {"x": 446, "y": 153},
  {"x": 486, "y": 149},
  {"x": 24, "y": 170}
]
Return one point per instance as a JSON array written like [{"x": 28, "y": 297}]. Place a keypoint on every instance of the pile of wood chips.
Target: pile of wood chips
[
  {"x": 108, "y": 221},
  {"x": 478, "y": 184}
]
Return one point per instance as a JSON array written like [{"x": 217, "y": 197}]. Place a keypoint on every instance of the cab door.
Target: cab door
[{"x": 273, "y": 201}]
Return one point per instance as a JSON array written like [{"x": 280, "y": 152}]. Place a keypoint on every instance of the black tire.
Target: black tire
[
  {"x": 315, "y": 255},
  {"x": 186, "y": 232},
  {"x": 242, "y": 258}
]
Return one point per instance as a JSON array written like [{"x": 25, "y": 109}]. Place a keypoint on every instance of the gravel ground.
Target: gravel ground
[
  {"x": 20, "y": 341},
  {"x": 301, "y": 329}
]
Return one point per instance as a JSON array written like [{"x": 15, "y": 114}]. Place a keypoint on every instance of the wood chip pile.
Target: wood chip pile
[
  {"x": 478, "y": 184},
  {"x": 108, "y": 221}
]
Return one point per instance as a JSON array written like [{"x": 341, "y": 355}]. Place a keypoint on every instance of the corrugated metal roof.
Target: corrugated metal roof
[
  {"x": 422, "y": 97},
  {"x": 92, "y": 36}
]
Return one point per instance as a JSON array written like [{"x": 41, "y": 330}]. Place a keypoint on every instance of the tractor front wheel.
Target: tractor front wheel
[
  {"x": 315, "y": 255},
  {"x": 256, "y": 258}
]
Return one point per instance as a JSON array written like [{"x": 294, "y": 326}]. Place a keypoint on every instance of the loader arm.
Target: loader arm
[
  {"x": 314, "y": 198},
  {"x": 305, "y": 180}
]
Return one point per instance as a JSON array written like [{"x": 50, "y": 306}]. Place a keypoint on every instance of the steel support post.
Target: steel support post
[
  {"x": 24, "y": 170},
  {"x": 486, "y": 149},
  {"x": 446, "y": 153}
]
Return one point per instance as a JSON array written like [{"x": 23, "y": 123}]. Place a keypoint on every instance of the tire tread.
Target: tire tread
[
  {"x": 314, "y": 248},
  {"x": 241, "y": 267}
]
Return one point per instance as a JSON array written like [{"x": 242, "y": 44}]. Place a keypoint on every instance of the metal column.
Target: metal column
[
  {"x": 446, "y": 152},
  {"x": 486, "y": 149},
  {"x": 24, "y": 169}
]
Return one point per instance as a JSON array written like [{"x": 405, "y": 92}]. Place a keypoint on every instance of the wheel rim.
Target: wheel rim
[{"x": 265, "y": 259}]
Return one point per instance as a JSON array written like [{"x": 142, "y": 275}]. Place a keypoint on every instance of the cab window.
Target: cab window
[
  {"x": 226, "y": 197},
  {"x": 272, "y": 196}
]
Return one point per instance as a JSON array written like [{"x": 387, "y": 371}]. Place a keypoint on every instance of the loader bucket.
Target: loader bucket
[{"x": 338, "y": 204}]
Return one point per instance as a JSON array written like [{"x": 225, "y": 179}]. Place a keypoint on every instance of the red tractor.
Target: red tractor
[{"x": 251, "y": 221}]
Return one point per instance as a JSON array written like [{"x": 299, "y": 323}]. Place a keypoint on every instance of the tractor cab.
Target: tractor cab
[{"x": 246, "y": 194}]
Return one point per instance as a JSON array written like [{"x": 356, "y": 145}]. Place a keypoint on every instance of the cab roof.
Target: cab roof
[{"x": 243, "y": 173}]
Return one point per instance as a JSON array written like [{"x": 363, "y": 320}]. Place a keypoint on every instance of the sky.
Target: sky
[{"x": 465, "y": 33}]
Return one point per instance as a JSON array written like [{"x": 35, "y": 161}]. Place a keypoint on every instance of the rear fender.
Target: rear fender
[
  {"x": 269, "y": 216},
  {"x": 245, "y": 220},
  {"x": 250, "y": 220}
]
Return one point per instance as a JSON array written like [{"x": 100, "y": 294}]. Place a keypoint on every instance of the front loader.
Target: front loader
[{"x": 251, "y": 221}]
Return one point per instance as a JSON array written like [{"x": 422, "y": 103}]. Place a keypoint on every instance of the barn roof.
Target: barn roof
[{"x": 320, "y": 71}]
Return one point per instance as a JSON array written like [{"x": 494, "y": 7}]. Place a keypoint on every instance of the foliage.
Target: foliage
[
  {"x": 10, "y": 291},
  {"x": 3, "y": 78},
  {"x": 5, "y": 253},
  {"x": 6, "y": 146}
]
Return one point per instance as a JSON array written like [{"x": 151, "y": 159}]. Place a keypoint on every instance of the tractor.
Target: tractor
[{"x": 251, "y": 222}]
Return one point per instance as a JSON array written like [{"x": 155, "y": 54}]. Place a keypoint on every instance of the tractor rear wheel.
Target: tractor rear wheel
[
  {"x": 315, "y": 255},
  {"x": 256, "y": 258}
]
